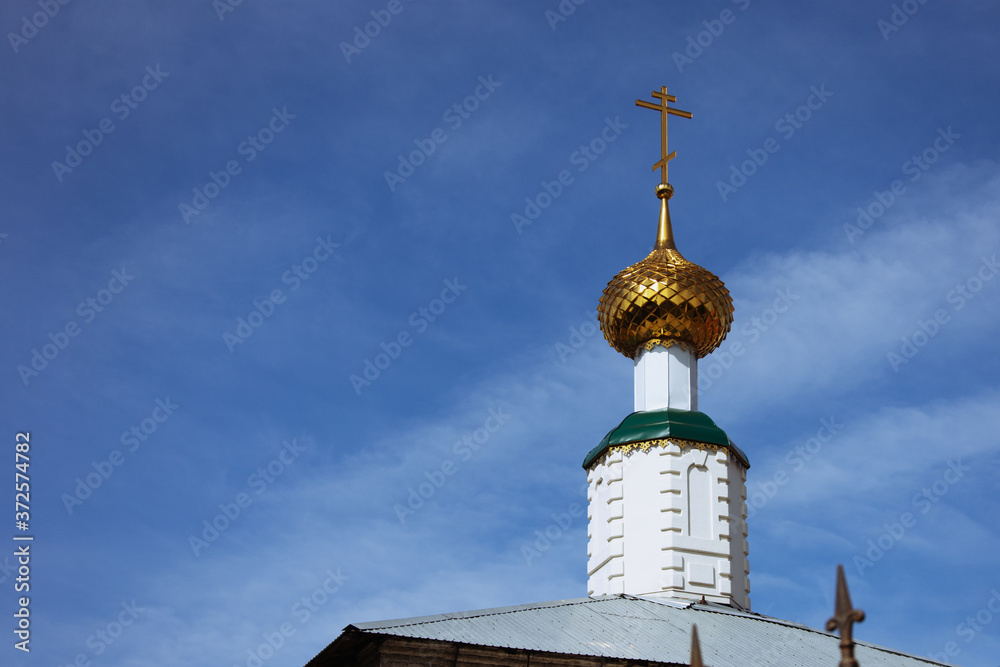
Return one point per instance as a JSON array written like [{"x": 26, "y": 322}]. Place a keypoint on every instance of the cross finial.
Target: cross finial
[
  {"x": 664, "y": 110},
  {"x": 844, "y": 618}
]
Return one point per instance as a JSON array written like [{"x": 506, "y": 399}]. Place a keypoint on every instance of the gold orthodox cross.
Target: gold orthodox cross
[
  {"x": 664, "y": 110},
  {"x": 844, "y": 618}
]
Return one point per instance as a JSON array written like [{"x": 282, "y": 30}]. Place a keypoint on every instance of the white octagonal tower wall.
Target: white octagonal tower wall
[{"x": 667, "y": 519}]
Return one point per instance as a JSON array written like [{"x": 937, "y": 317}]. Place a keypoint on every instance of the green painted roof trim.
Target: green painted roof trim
[{"x": 659, "y": 424}]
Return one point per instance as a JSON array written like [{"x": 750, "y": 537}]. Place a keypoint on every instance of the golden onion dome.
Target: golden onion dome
[{"x": 665, "y": 298}]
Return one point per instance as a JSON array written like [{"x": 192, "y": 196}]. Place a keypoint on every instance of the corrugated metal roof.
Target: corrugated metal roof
[{"x": 641, "y": 629}]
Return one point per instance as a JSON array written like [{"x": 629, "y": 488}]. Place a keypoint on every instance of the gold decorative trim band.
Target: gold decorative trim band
[
  {"x": 646, "y": 445},
  {"x": 667, "y": 343}
]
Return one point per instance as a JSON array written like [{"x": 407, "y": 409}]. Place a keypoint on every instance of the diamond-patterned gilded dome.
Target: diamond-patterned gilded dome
[{"x": 667, "y": 297}]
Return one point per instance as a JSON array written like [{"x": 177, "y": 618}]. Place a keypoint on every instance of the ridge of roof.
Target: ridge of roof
[
  {"x": 721, "y": 609},
  {"x": 780, "y": 621},
  {"x": 387, "y": 626},
  {"x": 474, "y": 613}
]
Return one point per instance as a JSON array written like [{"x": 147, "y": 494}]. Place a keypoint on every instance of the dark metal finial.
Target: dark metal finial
[
  {"x": 695, "y": 648},
  {"x": 843, "y": 620}
]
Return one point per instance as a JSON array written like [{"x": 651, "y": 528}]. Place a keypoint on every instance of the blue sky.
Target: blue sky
[{"x": 201, "y": 247}]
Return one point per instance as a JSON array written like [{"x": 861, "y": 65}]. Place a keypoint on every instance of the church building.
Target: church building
[{"x": 668, "y": 568}]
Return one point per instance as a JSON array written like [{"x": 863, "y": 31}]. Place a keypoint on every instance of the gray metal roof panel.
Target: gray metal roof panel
[
  {"x": 640, "y": 629},
  {"x": 466, "y": 614}
]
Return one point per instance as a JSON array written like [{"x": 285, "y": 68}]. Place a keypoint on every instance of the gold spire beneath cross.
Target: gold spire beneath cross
[{"x": 664, "y": 110}]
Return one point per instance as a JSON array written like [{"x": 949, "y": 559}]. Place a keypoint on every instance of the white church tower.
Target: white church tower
[{"x": 667, "y": 487}]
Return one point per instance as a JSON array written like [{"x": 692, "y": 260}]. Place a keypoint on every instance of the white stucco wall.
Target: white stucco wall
[{"x": 669, "y": 521}]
